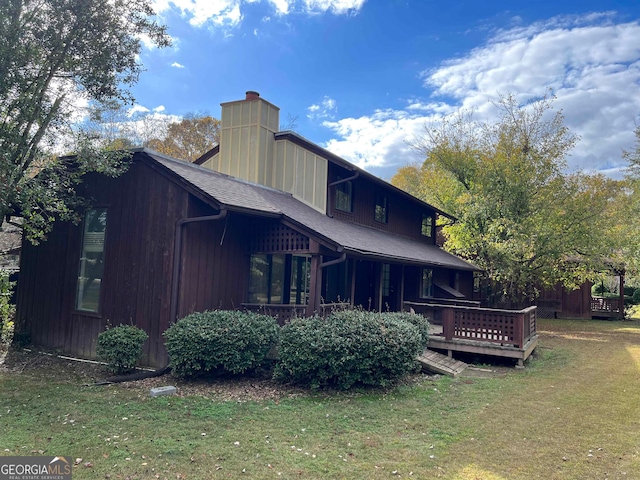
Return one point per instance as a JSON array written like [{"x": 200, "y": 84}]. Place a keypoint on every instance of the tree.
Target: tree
[
  {"x": 629, "y": 210},
  {"x": 54, "y": 53},
  {"x": 519, "y": 216},
  {"x": 190, "y": 138}
]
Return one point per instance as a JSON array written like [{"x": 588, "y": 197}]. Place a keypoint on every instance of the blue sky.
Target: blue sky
[{"x": 364, "y": 76}]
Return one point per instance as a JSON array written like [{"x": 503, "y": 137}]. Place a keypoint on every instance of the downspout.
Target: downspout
[
  {"x": 175, "y": 280},
  {"x": 335, "y": 261},
  {"x": 177, "y": 255}
]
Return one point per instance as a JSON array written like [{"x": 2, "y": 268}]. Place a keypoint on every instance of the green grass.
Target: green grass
[{"x": 573, "y": 413}]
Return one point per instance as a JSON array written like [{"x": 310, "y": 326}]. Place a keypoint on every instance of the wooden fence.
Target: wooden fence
[
  {"x": 601, "y": 304},
  {"x": 503, "y": 327}
]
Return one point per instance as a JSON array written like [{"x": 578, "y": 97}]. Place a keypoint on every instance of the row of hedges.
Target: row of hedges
[{"x": 347, "y": 348}]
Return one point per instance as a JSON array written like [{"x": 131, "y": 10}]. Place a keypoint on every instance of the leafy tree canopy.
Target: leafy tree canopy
[
  {"x": 186, "y": 138},
  {"x": 55, "y": 54},
  {"x": 629, "y": 212},
  {"x": 190, "y": 138},
  {"x": 521, "y": 218}
]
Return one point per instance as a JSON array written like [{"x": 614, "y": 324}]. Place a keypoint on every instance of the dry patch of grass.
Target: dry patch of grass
[
  {"x": 574, "y": 414},
  {"x": 571, "y": 414}
]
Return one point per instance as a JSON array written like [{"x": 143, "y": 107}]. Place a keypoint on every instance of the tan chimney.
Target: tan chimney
[{"x": 247, "y": 139}]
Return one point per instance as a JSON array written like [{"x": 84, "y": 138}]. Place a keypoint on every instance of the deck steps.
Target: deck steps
[{"x": 439, "y": 363}]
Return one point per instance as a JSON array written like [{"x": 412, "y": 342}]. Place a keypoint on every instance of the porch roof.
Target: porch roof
[{"x": 239, "y": 195}]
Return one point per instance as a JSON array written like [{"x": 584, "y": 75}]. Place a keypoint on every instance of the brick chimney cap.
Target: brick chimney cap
[{"x": 252, "y": 95}]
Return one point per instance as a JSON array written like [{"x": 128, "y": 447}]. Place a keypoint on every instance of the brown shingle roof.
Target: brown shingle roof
[{"x": 240, "y": 195}]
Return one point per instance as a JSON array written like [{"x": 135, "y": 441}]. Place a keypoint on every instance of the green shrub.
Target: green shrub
[
  {"x": 636, "y": 296},
  {"x": 599, "y": 289},
  {"x": 347, "y": 348},
  {"x": 421, "y": 322},
  {"x": 121, "y": 347},
  {"x": 220, "y": 341},
  {"x": 629, "y": 290}
]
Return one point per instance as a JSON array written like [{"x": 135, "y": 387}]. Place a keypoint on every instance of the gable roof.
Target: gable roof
[{"x": 242, "y": 196}]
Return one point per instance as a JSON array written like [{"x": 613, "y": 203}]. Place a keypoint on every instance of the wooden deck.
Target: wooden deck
[
  {"x": 602, "y": 307},
  {"x": 483, "y": 331}
]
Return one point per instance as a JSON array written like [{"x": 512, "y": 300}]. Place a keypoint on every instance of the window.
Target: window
[
  {"x": 279, "y": 279},
  {"x": 91, "y": 260},
  {"x": 344, "y": 196},
  {"x": 381, "y": 213},
  {"x": 386, "y": 279},
  {"x": 476, "y": 282},
  {"x": 427, "y": 225},
  {"x": 426, "y": 283},
  {"x": 300, "y": 279}
]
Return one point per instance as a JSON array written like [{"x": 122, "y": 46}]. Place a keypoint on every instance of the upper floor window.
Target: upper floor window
[
  {"x": 381, "y": 213},
  {"x": 344, "y": 196},
  {"x": 427, "y": 225},
  {"x": 91, "y": 267}
]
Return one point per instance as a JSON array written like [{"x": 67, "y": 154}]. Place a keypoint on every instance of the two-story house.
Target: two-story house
[{"x": 266, "y": 220}]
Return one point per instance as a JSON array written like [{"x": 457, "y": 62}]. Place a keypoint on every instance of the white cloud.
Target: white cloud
[
  {"x": 159, "y": 108},
  {"x": 136, "y": 109},
  {"x": 218, "y": 12},
  {"x": 326, "y": 109},
  {"x": 229, "y": 12},
  {"x": 338, "y": 7},
  {"x": 177, "y": 65},
  {"x": 377, "y": 140},
  {"x": 591, "y": 64},
  {"x": 282, "y": 6}
]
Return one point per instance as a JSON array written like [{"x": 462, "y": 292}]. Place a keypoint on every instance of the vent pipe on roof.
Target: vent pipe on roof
[{"x": 252, "y": 95}]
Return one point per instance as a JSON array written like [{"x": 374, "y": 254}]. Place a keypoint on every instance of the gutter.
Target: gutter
[
  {"x": 318, "y": 292},
  {"x": 175, "y": 280},
  {"x": 343, "y": 180},
  {"x": 335, "y": 261},
  {"x": 177, "y": 255}
]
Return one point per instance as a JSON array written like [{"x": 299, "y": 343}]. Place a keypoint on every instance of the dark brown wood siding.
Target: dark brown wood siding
[
  {"x": 404, "y": 216},
  {"x": 142, "y": 209},
  {"x": 215, "y": 262}
]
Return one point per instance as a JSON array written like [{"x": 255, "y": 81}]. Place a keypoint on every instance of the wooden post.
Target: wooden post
[
  {"x": 380, "y": 283},
  {"x": 447, "y": 323},
  {"x": 314, "y": 286},
  {"x": 354, "y": 262},
  {"x": 402, "y": 289},
  {"x": 621, "y": 275},
  {"x": 518, "y": 329}
]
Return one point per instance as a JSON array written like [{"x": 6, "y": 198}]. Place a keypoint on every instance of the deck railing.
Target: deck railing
[
  {"x": 283, "y": 312},
  {"x": 504, "y": 327},
  {"x": 601, "y": 304},
  {"x": 286, "y": 312}
]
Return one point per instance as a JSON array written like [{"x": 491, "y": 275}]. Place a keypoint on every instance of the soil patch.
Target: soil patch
[{"x": 257, "y": 386}]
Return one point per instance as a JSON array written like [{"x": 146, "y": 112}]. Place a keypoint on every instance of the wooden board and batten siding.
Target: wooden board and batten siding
[{"x": 143, "y": 207}]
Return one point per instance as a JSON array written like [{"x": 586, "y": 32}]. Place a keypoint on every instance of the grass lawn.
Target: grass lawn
[{"x": 573, "y": 413}]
